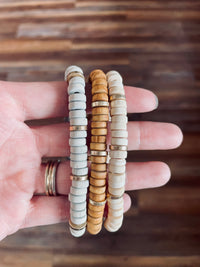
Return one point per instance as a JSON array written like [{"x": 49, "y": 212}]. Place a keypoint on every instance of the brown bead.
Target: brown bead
[
  {"x": 98, "y": 124},
  {"x": 97, "y": 189},
  {"x": 98, "y": 139},
  {"x": 99, "y": 89},
  {"x": 100, "y": 111},
  {"x": 98, "y": 159},
  {"x": 96, "y": 208},
  {"x": 97, "y": 72},
  {"x": 98, "y": 146},
  {"x": 100, "y": 118},
  {"x": 100, "y": 97},
  {"x": 95, "y": 214},
  {"x": 97, "y": 182},
  {"x": 98, "y": 175},
  {"x": 93, "y": 229},
  {"x": 97, "y": 197},
  {"x": 97, "y": 75},
  {"x": 94, "y": 220},
  {"x": 98, "y": 167},
  {"x": 102, "y": 131},
  {"x": 99, "y": 82}
]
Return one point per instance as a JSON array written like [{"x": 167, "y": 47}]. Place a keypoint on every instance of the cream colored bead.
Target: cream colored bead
[
  {"x": 118, "y": 125},
  {"x": 116, "y": 90},
  {"x": 119, "y": 133},
  {"x": 118, "y": 162},
  {"x": 116, "y": 191},
  {"x": 118, "y": 178},
  {"x": 117, "y": 169},
  {"x": 120, "y": 118},
  {"x": 117, "y": 154},
  {"x": 118, "y": 103},
  {"x": 119, "y": 141},
  {"x": 118, "y": 111},
  {"x": 116, "y": 213},
  {"x": 113, "y": 184}
]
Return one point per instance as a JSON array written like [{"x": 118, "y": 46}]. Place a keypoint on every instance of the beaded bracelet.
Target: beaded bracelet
[
  {"x": 117, "y": 153},
  {"x": 78, "y": 150},
  {"x": 98, "y": 154}
]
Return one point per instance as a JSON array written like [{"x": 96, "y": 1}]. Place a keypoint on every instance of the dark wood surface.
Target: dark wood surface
[{"x": 154, "y": 44}]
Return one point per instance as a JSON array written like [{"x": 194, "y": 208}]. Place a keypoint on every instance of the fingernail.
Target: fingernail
[{"x": 157, "y": 101}]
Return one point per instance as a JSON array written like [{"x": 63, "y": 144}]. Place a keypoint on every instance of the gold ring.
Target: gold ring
[{"x": 50, "y": 178}]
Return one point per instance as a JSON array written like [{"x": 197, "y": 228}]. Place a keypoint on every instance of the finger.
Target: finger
[
  {"x": 139, "y": 176},
  {"x": 39, "y": 100},
  {"x": 52, "y": 140},
  {"x": 50, "y": 210}
]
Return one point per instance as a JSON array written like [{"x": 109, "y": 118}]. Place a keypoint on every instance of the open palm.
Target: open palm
[{"x": 22, "y": 147}]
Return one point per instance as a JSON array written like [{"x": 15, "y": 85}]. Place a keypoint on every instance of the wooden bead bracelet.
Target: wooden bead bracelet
[{"x": 98, "y": 146}]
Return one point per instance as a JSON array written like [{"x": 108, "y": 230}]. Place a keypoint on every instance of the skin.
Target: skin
[{"x": 21, "y": 149}]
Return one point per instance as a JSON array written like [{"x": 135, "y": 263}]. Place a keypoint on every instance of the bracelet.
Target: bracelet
[
  {"x": 78, "y": 150},
  {"x": 98, "y": 154},
  {"x": 118, "y": 152}
]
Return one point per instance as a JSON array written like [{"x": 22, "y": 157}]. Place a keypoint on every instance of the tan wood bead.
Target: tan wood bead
[
  {"x": 95, "y": 214},
  {"x": 98, "y": 167},
  {"x": 100, "y": 97},
  {"x": 99, "y": 89},
  {"x": 100, "y": 111},
  {"x": 95, "y": 72},
  {"x": 98, "y": 139},
  {"x": 98, "y": 124},
  {"x": 99, "y": 82},
  {"x": 102, "y": 131},
  {"x": 98, "y": 174},
  {"x": 98, "y": 146},
  {"x": 96, "y": 208},
  {"x": 94, "y": 229},
  {"x": 97, "y": 75},
  {"x": 97, "y": 189},
  {"x": 94, "y": 220},
  {"x": 100, "y": 118},
  {"x": 97, "y": 182},
  {"x": 97, "y": 197},
  {"x": 98, "y": 159}
]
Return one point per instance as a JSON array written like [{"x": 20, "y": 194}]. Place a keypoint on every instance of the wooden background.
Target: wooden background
[{"x": 155, "y": 44}]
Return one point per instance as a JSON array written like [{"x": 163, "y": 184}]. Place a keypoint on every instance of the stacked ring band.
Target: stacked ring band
[
  {"x": 118, "y": 152},
  {"x": 98, "y": 153},
  {"x": 50, "y": 178},
  {"x": 78, "y": 150}
]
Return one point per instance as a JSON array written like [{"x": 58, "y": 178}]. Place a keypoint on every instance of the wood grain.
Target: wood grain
[{"x": 153, "y": 44}]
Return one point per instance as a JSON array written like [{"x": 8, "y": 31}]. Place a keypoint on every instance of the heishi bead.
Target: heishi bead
[
  {"x": 98, "y": 159},
  {"x": 77, "y": 114},
  {"x": 93, "y": 228},
  {"x": 78, "y": 134},
  {"x": 94, "y": 220},
  {"x": 98, "y": 146},
  {"x": 77, "y": 105},
  {"x": 77, "y": 80},
  {"x": 118, "y": 111},
  {"x": 78, "y": 206},
  {"x": 117, "y": 154},
  {"x": 77, "y": 199},
  {"x": 78, "y": 121},
  {"x": 80, "y": 184},
  {"x": 100, "y": 111},
  {"x": 97, "y": 189},
  {"x": 77, "y": 141},
  {"x": 95, "y": 214},
  {"x": 98, "y": 124},
  {"x": 78, "y": 157},
  {"x": 98, "y": 167},
  {"x": 116, "y": 90},
  {"x": 77, "y": 98},
  {"x": 77, "y": 233},
  {"x": 99, "y": 89},
  {"x": 118, "y": 125},
  {"x": 71, "y": 69},
  {"x": 100, "y": 97},
  {"x": 78, "y": 164},
  {"x": 80, "y": 172},
  {"x": 79, "y": 150},
  {"x": 98, "y": 174},
  {"x": 79, "y": 213},
  {"x": 96, "y": 208},
  {"x": 117, "y": 162},
  {"x": 117, "y": 169},
  {"x": 79, "y": 220},
  {"x": 99, "y": 82},
  {"x": 78, "y": 191},
  {"x": 98, "y": 139},
  {"x": 116, "y": 213},
  {"x": 116, "y": 191},
  {"x": 119, "y": 142},
  {"x": 120, "y": 134},
  {"x": 113, "y": 184},
  {"x": 97, "y": 182},
  {"x": 118, "y": 103},
  {"x": 102, "y": 131},
  {"x": 76, "y": 88}
]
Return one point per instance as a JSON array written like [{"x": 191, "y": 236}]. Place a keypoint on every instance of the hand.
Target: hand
[{"x": 21, "y": 149}]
